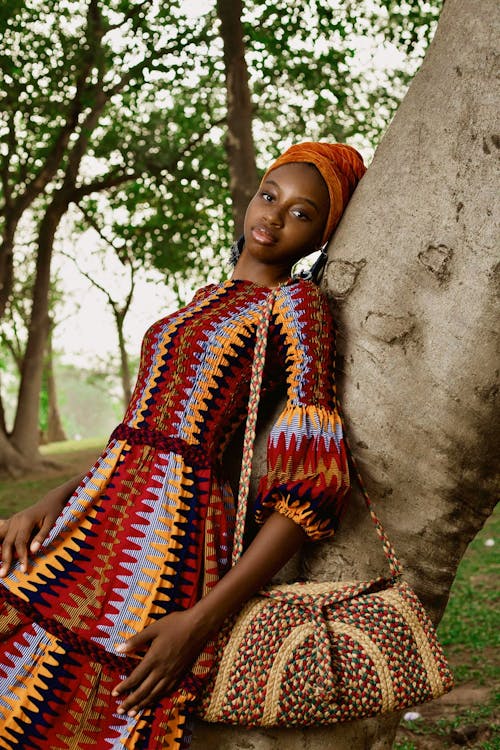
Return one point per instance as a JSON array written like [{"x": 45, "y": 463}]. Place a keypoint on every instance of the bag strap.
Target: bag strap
[
  {"x": 394, "y": 564},
  {"x": 258, "y": 362}
]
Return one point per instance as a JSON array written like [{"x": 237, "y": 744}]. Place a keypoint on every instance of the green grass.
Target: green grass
[
  {"x": 66, "y": 459},
  {"x": 73, "y": 446},
  {"x": 470, "y": 635},
  {"x": 471, "y": 624}
]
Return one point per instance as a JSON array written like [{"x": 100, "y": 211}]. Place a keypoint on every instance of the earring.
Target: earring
[
  {"x": 314, "y": 272},
  {"x": 235, "y": 251}
]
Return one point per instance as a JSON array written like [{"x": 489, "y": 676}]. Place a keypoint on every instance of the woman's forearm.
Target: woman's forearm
[{"x": 276, "y": 542}]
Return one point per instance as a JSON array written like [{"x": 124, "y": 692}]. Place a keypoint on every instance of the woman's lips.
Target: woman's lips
[{"x": 263, "y": 236}]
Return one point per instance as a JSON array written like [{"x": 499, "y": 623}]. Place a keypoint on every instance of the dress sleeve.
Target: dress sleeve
[{"x": 307, "y": 475}]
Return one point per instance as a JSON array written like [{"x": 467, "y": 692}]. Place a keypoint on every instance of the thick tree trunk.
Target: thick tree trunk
[
  {"x": 25, "y": 435},
  {"x": 239, "y": 140},
  {"x": 414, "y": 273}
]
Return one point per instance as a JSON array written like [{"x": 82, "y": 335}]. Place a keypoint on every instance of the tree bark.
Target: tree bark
[
  {"x": 25, "y": 435},
  {"x": 119, "y": 316},
  {"x": 55, "y": 430},
  {"x": 239, "y": 140},
  {"x": 413, "y": 274}
]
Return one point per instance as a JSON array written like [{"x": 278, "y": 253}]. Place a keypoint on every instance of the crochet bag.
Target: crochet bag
[{"x": 319, "y": 653}]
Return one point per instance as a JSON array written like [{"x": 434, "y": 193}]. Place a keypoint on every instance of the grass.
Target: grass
[
  {"x": 470, "y": 635},
  {"x": 66, "y": 459},
  {"x": 469, "y": 630}
]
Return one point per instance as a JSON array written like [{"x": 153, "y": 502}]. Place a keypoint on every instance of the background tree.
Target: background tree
[
  {"x": 94, "y": 77},
  {"x": 127, "y": 101},
  {"x": 414, "y": 277}
]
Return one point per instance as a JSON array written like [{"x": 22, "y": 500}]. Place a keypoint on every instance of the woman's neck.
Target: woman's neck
[{"x": 265, "y": 275}]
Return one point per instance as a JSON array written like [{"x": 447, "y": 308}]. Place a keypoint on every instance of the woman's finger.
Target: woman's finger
[
  {"x": 130, "y": 683},
  {"x": 21, "y": 547},
  {"x": 4, "y": 527},
  {"x": 42, "y": 534},
  {"x": 7, "y": 554},
  {"x": 146, "y": 693}
]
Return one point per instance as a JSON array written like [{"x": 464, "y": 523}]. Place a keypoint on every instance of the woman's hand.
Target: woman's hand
[
  {"x": 174, "y": 643},
  {"x": 177, "y": 639},
  {"x": 16, "y": 532}
]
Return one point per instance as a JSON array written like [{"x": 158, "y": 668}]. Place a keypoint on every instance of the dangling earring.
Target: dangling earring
[
  {"x": 314, "y": 272},
  {"x": 236, "y": 249}
]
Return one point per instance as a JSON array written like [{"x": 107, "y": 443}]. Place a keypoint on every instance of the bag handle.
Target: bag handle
[{"x": 258, "y": 362}]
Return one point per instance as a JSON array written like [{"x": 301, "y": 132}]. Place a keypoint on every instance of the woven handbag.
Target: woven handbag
[{"x": 319, "y": 653}]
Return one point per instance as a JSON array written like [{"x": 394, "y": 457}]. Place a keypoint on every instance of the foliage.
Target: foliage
[
  {"x": 119, "y": 109},
  {"x": 154, "y": 168}
]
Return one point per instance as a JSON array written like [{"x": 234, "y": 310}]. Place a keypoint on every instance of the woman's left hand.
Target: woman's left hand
[{"x": 174, "y": 643}]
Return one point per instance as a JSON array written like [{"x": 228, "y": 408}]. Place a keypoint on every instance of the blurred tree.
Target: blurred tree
[{"x": 120, "y": 107}]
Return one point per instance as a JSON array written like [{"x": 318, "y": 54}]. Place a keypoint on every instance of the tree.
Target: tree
[
  {"x": 94, "y": 80},
  {"x": 413, "y": 274},
  {"x": 239, "y": 137},
  {"x": 120, "y": 99}
]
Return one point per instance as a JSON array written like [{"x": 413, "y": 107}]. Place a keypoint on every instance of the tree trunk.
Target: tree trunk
[
  {"x": 239, "y": 140},
  {"x": 25, "y": 435},
  {"x": 124, "y": 363},
  {"x": 7, "y": 263},
  {"x": 55, "y": 430},
  {"x": 413, "y": 273}
]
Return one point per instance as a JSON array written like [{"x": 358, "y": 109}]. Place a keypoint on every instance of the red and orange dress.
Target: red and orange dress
[{"x": 149, "y": 530}]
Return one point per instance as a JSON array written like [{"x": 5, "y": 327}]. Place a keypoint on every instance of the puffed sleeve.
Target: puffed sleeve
[{"x": 307, "y": 475}]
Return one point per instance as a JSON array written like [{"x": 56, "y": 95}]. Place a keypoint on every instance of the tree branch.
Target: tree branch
[{"x": 94, "y": 283}]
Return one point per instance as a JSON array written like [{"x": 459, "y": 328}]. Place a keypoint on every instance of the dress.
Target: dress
[{"x": 149, "y": 530}]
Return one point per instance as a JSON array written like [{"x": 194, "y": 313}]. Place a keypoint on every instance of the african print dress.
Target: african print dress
[{"x": 149, "y": 530}]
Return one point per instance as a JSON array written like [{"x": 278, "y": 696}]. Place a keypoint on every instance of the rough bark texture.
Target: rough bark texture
[
  {"x": 239, "y": 140},
  {"x": 414, "y": 275},
  {"x": 25, "y": 435}
]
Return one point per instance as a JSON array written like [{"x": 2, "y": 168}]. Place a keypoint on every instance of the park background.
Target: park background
[{"x": 132, "y": 135}]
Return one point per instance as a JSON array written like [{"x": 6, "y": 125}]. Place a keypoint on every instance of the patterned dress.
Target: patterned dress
[{"x": 149, "y": 529}]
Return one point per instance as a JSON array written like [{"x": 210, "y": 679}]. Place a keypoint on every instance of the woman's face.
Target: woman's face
[{"x": 286, "y": 217}]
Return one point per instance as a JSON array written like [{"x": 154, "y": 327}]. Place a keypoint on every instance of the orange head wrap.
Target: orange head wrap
[{"x": 340, "y": 166}]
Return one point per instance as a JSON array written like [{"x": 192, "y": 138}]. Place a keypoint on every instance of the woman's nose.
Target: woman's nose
[{"x": 273, "y": 214}]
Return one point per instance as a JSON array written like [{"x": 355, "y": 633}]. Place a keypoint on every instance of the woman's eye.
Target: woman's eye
[
  {"x": 266, "y": 196},
  {"x": 300, "y": 214}
]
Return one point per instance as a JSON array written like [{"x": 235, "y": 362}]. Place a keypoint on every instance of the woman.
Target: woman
[{"x": 128, "y": 578}]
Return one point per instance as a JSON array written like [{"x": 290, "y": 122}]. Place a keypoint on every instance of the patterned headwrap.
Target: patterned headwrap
[{"x": 341, "y": 167}]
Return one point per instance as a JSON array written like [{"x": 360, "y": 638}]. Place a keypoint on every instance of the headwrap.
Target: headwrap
[{"x": 341, "y": 167}]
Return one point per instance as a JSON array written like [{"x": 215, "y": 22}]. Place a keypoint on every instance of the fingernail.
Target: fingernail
[
  {"x": 35, "y": 546},
  {"x": 23, "y": 568},
  {"x": 120, "y": 647},
  {"x": 132, "y": 712},
  {"x": 120, "y": 710}
]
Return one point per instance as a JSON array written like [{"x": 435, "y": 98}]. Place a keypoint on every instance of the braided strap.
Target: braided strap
[
  {"x": 394, "y": 564},
  {"x": 259, "y": 359},
  {"x": 248, "y": 445}
]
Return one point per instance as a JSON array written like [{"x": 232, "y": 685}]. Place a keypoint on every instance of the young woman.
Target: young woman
[{"x": 114, "y": 583}]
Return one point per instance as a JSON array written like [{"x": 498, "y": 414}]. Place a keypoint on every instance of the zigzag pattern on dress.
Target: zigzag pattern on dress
[{"x": 150, "y": 528}]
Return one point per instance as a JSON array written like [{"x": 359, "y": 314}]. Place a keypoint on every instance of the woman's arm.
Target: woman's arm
[
  {"x": 176, "y": 640},
  {"x": 15, "y": 532},
  {"x": 276, "y": 542}
]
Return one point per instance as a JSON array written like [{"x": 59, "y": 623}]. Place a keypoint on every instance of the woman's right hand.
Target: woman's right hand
[{"x": 16, "y": 532}]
